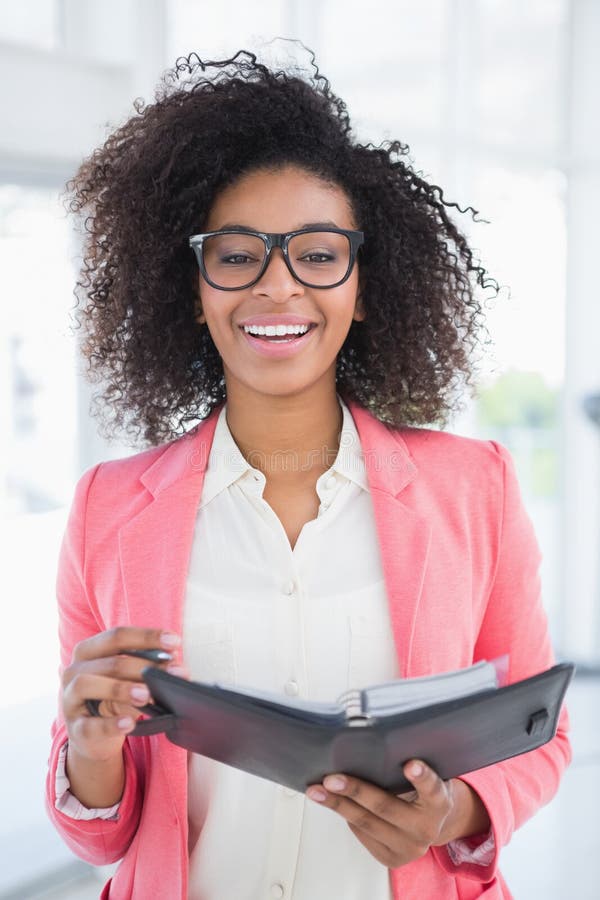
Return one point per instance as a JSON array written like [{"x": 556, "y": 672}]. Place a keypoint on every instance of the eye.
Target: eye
[
  {"x": 317, "y": 257},
  {"x": 237, "y": 259}
]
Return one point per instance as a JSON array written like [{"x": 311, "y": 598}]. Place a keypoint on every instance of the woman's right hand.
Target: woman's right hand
[{"x": 100, "y": 671}]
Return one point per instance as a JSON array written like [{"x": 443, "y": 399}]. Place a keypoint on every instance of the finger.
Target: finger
[
  {"x": 379, "y": 814},
  {"x": 88, "y": 730},
  {"x": 352, "y": 798},
  {"x": 125, "y": 668},
  {"x": 118, "y": 640},
  {"x": 87, "y": 687},
  {"x": 431, "y": 790},
  {"x": 357, "y": 816},
  {"x": 380, "y": 851},
  {"x": 180, "y": 671}
]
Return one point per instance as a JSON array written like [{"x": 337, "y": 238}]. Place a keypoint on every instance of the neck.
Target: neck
[{"x": 291, "y": 439}]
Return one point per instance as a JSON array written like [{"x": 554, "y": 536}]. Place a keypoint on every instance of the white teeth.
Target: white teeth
[{"x": 276, "y": 330}]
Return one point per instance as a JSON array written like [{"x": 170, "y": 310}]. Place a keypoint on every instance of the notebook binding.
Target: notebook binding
[{"x": 352, "y": 702}]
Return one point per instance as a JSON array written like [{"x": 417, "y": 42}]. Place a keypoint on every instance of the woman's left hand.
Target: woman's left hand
[{"x": 397, "y": 829}]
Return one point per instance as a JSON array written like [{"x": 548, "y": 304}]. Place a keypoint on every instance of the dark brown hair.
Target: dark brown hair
[{"x": 151, "y": 185}]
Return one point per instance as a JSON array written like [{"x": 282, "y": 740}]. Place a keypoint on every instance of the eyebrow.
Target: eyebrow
[{"x": 236, "y": 226}]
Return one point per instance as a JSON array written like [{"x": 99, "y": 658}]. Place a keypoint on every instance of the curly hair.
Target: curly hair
[{"x": 152, "y": 184}]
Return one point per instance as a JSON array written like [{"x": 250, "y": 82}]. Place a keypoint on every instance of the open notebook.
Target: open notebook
[
  {"x": 357, "y": 707},
  {"x": 456, "y": 721}
]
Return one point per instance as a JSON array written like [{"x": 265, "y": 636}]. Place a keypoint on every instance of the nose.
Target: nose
[{"x": 277, "y": 282}]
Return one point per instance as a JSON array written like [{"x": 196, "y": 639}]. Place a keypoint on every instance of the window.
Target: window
[
  {"x": 33, "y": 24},
  {"x": 37, "y": 468}
]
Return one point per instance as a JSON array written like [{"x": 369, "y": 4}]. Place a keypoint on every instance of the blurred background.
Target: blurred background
[{"x": 498, "y": 100}]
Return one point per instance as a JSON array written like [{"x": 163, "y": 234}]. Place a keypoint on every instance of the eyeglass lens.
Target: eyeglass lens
[{"x": 319, "y": 258}]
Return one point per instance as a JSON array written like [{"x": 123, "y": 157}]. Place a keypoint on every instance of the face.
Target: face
[{"x": 280, "y": 201}]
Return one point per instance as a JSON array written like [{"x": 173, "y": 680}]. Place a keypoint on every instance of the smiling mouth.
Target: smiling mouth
[{"x": 277, "y": 338}]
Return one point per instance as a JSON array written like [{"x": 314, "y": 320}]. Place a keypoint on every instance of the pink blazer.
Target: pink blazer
[{"x": 460, "y": 562}]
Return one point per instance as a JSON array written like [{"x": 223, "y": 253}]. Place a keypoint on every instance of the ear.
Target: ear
[
  {"x": 199, "y": 315},
  {"x": 359, "y": 309}
]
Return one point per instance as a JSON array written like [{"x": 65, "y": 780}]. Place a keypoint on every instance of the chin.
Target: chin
[{"x": 275, "y": 385}]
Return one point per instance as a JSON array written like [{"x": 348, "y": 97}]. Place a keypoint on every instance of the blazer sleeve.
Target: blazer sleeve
[
  {"x": 96, "y": 841},
  {"x": 515, "y": 622}
]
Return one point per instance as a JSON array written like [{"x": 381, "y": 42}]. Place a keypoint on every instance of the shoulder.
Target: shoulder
[
  {"x": 158, "y": 467},
  {"x": 427, "y": 459},
  {"x": 456, "y": 466},
  {"x": 116, "y": 489},
  {"x": 120, "y": 473},
  {"x": 127, "y": 470},
  {"x": 427, "y": 445}
]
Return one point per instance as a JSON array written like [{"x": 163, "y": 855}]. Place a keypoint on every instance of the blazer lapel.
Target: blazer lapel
[
  {"x": 404, "y": 535},
  {"x": 155, "y": 545}
]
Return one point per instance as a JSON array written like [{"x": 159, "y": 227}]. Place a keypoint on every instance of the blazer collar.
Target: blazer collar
[
  {"x": 390, "y": 467},
  {"x": 388, "y": 462},
  {"x": 183, "y": 458}
]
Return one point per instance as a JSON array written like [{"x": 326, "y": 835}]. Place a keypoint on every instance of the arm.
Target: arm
[
  {"x": 514, "y": 622},
  {"x": 96, "y": 841},
  {"x": 68, "y": 803}
]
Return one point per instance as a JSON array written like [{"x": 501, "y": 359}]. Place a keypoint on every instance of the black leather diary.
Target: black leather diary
[{"x": 297, "y": 747}]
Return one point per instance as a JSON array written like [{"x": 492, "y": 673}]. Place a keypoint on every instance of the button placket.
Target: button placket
[{"x": 289, "y": 814}]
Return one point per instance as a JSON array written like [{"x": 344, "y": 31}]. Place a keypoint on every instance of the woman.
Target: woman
[{"x": 249, "y": 264}]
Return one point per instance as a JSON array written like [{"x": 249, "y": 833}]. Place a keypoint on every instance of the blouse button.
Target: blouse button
[
  {"x": 288, "y": 588},
  {"x": 291, "y": 688},
  {"x": 277, "y": 891}
]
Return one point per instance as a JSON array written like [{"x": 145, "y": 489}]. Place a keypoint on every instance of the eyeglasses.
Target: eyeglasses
[{"x": 236, "y": 259}]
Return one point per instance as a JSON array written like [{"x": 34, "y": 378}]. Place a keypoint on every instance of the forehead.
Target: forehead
[{"x": 280, "y": 200}]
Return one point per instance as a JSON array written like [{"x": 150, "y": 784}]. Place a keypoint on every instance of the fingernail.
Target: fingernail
[
  {"x": 334, "y": 783},
  {"x": 168, "y": 639},
  {"x": 316, "y": 794},
  {"x": 125, "y": 723},
  {"x": 176, "y": 670},
  {"x": 140, "y": 693},
  {"x": 416, "y": 769}
]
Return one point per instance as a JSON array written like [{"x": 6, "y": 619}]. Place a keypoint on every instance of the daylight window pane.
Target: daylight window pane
[
  {"x": 214, "y": 30},
  {"x": 393, "y": 84},
  {"x": 39, "y": 390},
  {"x": 520, "y": 65},
  {"x": 33, "y": 24},
  {"x": 38, "y": 448}
]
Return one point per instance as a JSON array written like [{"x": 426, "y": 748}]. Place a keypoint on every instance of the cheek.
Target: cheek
[
  {"x": 341, "y": 310},
  {"x": 217, "y": 311}
]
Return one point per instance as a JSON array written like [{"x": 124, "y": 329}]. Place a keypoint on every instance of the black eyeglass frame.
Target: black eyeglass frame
[{"x": 277, "y": 239}]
